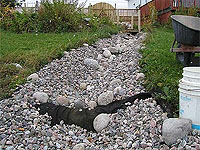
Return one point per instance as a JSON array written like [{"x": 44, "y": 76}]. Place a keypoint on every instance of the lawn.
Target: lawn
[
  {"x": 32, "y": 51},
  {"x": 161, "y": 69}
]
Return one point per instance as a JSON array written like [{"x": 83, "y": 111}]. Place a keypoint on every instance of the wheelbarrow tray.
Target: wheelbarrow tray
[{"x": 186, "y": 29}]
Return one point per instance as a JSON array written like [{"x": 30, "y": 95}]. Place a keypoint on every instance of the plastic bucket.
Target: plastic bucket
[
  {"x": 189, "y": 96},
  {"x": 191, "y": 74}
]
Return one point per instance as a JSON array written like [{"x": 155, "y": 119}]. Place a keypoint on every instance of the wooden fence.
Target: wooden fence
[
  {"x": 165, "y": 7},
  {"x": 119, "y": 16},
  {"x": 185, "y": 3}
]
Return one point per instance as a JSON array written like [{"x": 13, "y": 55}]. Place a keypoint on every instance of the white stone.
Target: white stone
[
  {"x": 107, "y": 53},
  {"x": 85, "y": 44},
  {"x": 92, "y": 104},
  {"x": 99, "y": 57},
  {"x": 83, "y": 86},
  {"x": 66, "y": 53},
  {"x": 113, "y": 50},
  {"x": 33, "y": 77},
  {"x": 140, "y": 76},
  {"x": 87, "y": 19},
  {"x": 120, "y": 91},
  {"x": 115, "y": 82},
  {"x": 91, "y": 63},
  {"x": 101, "y": 122},
  {"x": 118, "y": 48},
  {"x": 41, "y": 97},
  {"x": 62, "y": 100},
  {"x": 80, "y": 146},
  {"x": 112, "y": 57},
  {"x": 89, "y": 88},
  {"x": 105, "y": 98},
  {"x": 18, "y": 66},
  {"x": 175, "y": 128}
]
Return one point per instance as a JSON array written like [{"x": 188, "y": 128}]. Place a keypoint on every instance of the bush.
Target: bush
[
  {"x": 51, "y": 17},
  {"x": 18, "y": 22},
  {"x": 59, "y": 17}
]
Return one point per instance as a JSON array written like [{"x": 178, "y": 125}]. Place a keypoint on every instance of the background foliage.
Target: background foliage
[{"x": 51, "y": 17}]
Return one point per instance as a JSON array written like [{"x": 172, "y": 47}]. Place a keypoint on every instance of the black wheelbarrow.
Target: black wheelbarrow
[{"x": 187, "y": 35}]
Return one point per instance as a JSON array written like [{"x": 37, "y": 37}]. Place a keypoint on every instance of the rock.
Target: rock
[
  {"x": 107, "y": 53},
  {"x": 120, "y": 91},
  {"x": 41, "y": 97},
  {"x": 71, "y": 133},
  {"x": 118, "y": 48},
  {"x": 85, "y": 44},
  {"x": 113, "y": 50},
  {"x": 61, "y": 100},
  {"x": 91, "y": 63},
  {"x": 87, "y": 19},
  {"x": 66, "y": 53},
  {"x": 112, "y": 57},
  {"x": 33, "y": 77},
  {"x": 10, "y": 148},
  {"x": 92, "y": 104},
  {"x": 175, "y": 128},
  {"x": 83, "y": 86},
  {"x": 101, "y": 122},
  {"x": 18, "y": 66},
  {"x": 140, "y": 76},
  {"x": 115, "y": 82},
  {"x": 90, "y": 88},
  {"x": 105, "y": 98},
  {"x": 129, "y": 145},
  {"x": 80, "y": 146},
  {"x": 99, "y": 57},
  {"x": 71, "y": 99},
  {"x": 79, "y": 104},
  {"x": 27, "y": 132},
  {"x": 58, "y": 145}
]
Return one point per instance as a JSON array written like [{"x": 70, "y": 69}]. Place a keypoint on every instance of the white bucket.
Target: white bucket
[{"x": 189, "y": 96}]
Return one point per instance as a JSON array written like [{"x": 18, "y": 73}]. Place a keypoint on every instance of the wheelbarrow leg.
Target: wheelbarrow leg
[{"x": 187, "y": 59}]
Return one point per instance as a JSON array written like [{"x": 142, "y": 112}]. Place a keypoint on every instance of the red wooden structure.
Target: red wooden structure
[{"x": 166, "y": 7}]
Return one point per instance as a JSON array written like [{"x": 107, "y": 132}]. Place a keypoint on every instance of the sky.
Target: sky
[{"x": 119, "y": 3}]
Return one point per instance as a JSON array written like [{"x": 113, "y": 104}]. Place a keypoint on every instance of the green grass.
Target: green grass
[
  {"x": 33, "y": 51},
  {"x": 162, "y": 70}
]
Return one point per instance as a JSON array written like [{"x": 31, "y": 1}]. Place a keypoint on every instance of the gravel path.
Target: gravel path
[{"x": 83, "y": 75}]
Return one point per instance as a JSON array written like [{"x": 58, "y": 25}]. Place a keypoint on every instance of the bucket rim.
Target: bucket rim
[
  {"x": 192, "y": 69},
  {"x": 184, "y": 91},
  {"x": 182, "y": 81}
]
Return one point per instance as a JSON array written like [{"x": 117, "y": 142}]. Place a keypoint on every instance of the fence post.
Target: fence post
[
  {"x": 132, "y": 21},
  {"x": 89, "y": 8},
  {"x": 139, "y": 20},
  {"x": 118, "y": 16}
]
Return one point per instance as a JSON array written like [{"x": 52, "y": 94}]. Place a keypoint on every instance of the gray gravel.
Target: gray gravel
[{"x": 76, "y": 78}]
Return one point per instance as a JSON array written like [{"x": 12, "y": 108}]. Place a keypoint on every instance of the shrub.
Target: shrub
[
  {"x": 192, "y": 11},
  {"x": 150, "y": 20},
  {"x": 18, "y": 22},
  {"x": 51, "y": 17},
  {"x": 59, "y": 17}
]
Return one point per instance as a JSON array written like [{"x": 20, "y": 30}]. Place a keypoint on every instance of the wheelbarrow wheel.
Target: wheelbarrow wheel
[{"x": 184, "y": 58}]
